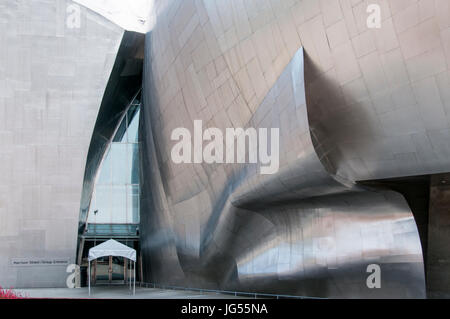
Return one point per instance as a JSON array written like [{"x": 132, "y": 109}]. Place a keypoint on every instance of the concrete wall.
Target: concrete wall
[{"x": 52, "y": 80}]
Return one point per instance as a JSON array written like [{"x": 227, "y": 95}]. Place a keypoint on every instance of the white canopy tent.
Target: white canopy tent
[{"x": 116, "y": 249}]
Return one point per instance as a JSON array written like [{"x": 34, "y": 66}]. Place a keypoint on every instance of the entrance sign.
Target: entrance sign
[{"x": 35, "y": 262}]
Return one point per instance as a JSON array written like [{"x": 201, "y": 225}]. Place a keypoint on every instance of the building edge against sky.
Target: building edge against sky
[{"x": 353, "y": 105}]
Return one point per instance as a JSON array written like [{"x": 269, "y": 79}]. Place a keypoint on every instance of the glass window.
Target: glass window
[
  {"x": 134, "y": 163},
  {"x": 116, "y": 194},
  {"x": 121, "y": 134},
  {"x": 105, "y": 172},
  {"x": 133, "y": 127},
  {"x": 119, "y": 205},
  {"x": 120, "y": 169},
  {"x": 133, "y": 202},
  {"x": 101, "y": 205}
]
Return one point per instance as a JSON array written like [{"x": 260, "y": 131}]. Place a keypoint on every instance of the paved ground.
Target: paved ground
[{"x": 116, "y": 292}]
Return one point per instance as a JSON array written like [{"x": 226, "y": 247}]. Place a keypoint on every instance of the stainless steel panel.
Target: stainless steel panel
[{"x": 302, "y": 231}]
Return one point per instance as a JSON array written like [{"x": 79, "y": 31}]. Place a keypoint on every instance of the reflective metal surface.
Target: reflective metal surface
[
  {"x": 302, "y": 231},
  {"x": 374, "y": 104}
]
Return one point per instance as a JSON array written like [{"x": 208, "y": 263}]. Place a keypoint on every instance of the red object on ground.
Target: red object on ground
[{"x": 8, "y": 294}]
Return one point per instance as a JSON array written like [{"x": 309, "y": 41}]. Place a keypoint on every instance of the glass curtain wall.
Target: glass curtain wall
[{"x": 115, "y": 199}]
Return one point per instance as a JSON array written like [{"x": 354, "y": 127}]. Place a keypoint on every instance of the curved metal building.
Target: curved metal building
[
  {"x": 359, "y": 91},
  {"x": 352, "y": 104}
]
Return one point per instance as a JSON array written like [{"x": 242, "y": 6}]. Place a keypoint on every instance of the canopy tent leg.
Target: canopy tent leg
[
  {"x": 125, "y": 263},
  {"x": 134, "y": 275},
  {"x": 110, "y": 269},
  {"x": 141, "y": 271},
  {"x": 89, "y": 276}
]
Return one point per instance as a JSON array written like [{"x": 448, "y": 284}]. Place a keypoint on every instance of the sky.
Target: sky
[{"x": 135, "y": 15}]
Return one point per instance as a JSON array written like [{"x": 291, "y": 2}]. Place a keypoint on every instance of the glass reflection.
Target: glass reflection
[
  {"x": 121, "y": 136},
  {"x": 133, "y": 127},
  {"x": 105, "y": 172},
  {"x": 115, "y": 199},
  {"x": 120, "y": 169}
]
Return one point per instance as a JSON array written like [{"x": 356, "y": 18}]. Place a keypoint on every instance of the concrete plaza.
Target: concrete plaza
[{"x": 117, "y": 292}]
